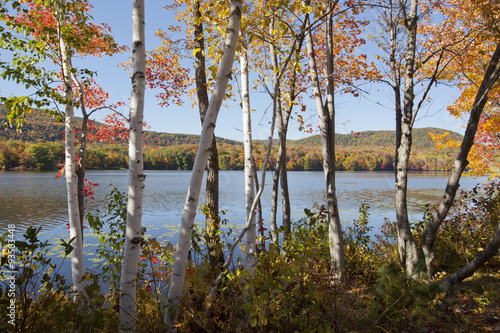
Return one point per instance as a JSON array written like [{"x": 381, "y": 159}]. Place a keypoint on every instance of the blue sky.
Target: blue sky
[{"x": 353, "y": 114}]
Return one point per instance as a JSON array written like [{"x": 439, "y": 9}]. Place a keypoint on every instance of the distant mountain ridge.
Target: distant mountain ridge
[
  {"x": 421, "y": 138},
  {"x": 43, "y": 128}
]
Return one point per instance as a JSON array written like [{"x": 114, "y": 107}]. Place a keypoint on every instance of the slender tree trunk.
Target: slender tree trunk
[
  {"x": 214, "y": 247},
  {"x": 408, "y": 251},
  {"x": 327, "y": 133},
  {"x": 255, "y": 203},
  {"x": 280, "y": 176},
  {"x": 191, "y": 205},
  {"x": 80, "y": 172},
  {"x": 334, "y": 225},
  {"x": 395, "y": 76},
  {"x": 280, "y": 180},
  {"x": 133, "y": 232},
  {"x": 274, "y": 202},
  {"x": 82, "y": 154},
  {"x": 285, "y": 194},
  {"x": 76, "y": 231},
  {"x": 260, "y": 219},
  {"x": 276, "y": 96},
  {"x": 251, "y": 238},
  {"x": 407, "y": 247},
  {"x": 490, "y": 78}
]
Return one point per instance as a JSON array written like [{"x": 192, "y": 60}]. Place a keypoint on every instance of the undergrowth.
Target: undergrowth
[{"x": 292, "y": 290}]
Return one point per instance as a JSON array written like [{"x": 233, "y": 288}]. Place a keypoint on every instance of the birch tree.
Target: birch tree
[
  {"x": 425, "y": 52},
  {"x": 280, "y": 174},
  {"x": 251, "y": 235},
  {"x": 56, "y": 31},
  {"x": 133, "y": 231},
  {"x": 187, "y": 223},
  {"x": 408, "y": 251},
  {"x": 277, "y": 54},
  {"x": 489, "y": 80},
  {"x": 326, "y": 115},
  {"x": 75, "y": 229},
  {"x": 401, "y": 22}
]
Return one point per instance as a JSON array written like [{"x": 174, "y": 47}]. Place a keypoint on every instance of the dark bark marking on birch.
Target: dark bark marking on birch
[
  {"x": 137, "y": 44},
  {"x": 138, "y": 74}
]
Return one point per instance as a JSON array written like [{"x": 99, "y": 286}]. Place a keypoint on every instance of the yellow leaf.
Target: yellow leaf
[{"x": 196, "y": 51}]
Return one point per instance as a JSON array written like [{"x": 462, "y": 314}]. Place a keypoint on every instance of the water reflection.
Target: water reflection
[{"x": 39, "y": 199}]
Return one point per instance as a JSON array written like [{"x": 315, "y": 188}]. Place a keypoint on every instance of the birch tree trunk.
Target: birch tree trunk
[
  {"x": 280, "y": 175},
  {"x": 191, "y": 205},
  {"x": 407, "y": 247},
  {"x": 334, "y": 226},
  {"x": 214, "y": 247},
  {"x": 327, "y": 134},
  {"x": 133, "y": 232},
  {"x": 429, "y": 237},
  {"x": 251, "y": 238},
  {"x": 391, "y": 20},
  {"x": 279, "y": 118},
  {"x": 75, "y": 229}
]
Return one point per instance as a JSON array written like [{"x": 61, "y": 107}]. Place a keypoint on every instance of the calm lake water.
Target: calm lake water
[{"x": 39, "y": 199}]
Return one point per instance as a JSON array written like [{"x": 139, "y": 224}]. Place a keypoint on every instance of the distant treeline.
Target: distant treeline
[
  {"x": 43, "y": 128},
  {"x": 15, "y": 154},
  {"x": 39, "y": 147}
]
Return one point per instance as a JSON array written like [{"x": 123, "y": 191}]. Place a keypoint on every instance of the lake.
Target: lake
[{"x": 39, "y": 199}]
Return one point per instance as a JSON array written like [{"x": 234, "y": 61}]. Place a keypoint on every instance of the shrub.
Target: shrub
[{"x": 469, "y": 228}]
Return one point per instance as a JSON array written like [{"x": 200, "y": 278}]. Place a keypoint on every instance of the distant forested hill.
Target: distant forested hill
[
  {"x": 43, "y": 128},
  {"x": 421, "y": 138},
  {"x": 39, "y": 147},
  {"x": 159, "y": 139},
  {"x": 39, "y": 127}
]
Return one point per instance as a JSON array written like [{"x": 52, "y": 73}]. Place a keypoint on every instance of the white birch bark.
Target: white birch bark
[
  {"x": 247, "y": 147},
  {"x": 408, "y": 251},
  {"x": 128, "y": 282},
  {"x": 327, "y": 134},
  {"x": 334, "y": 226},
  {"x": 75, "y": 229},
  {"x": 191, "y": 205}
]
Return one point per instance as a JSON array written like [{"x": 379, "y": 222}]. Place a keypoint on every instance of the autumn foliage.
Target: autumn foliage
[{"x": 473, "y": 29}]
